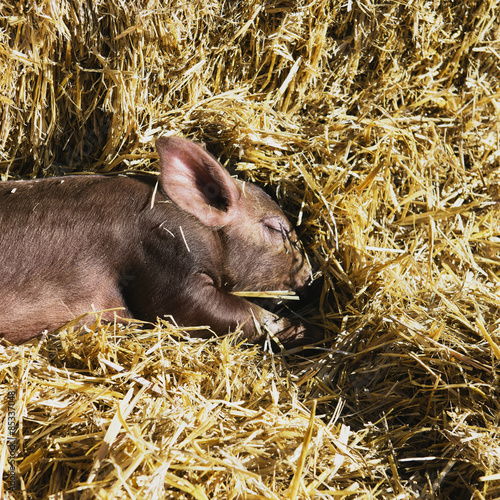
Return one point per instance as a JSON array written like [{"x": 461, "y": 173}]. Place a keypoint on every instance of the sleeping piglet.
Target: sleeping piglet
[{"x": 178, "y": 246}]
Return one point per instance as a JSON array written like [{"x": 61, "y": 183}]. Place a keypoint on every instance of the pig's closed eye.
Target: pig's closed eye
[
  {"x": 274, "y": 225},
  {"x": 276, "y": 229}
]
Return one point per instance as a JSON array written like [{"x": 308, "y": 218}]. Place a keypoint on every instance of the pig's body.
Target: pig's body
[
  {"x": 77, "y": 244},
  {"x": 56, "y": 266}
]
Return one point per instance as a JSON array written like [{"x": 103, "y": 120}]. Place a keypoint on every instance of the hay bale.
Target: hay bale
[{"x": 378, "y": 128}]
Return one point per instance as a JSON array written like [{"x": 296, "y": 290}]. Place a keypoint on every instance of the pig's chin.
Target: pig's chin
[
  {"x": 287, "y": 285},
  {"x": 260, "y": 285}
]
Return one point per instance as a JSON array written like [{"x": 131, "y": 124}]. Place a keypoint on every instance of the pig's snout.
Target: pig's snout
[
  {"x": 308, "y": 284},
  {"x": 303, "y": 277}
]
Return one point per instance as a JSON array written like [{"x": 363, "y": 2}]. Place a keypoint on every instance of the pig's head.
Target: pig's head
[{"x": 260, "y": 248}]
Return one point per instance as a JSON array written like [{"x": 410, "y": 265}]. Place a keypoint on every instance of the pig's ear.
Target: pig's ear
[{"x": 196, "y": 182}]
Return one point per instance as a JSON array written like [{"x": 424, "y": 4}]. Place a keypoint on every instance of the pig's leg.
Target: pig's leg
[{"x": 205, "y": 304}]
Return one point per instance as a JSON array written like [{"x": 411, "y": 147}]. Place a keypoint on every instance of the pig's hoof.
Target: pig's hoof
[{"x": 300, "y": 334}]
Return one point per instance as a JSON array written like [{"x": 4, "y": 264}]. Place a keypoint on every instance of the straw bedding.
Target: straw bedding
[{"x": 376, "y": 125}]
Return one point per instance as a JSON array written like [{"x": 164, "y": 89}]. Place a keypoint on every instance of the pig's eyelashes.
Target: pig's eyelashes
[
  {"x": 274, "y": 229},
  {"x": 275, "y": 224},
  {"x": 277, "y": 229}
]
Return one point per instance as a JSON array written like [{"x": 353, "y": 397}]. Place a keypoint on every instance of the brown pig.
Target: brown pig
[{"x": 174, "y": 247}]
